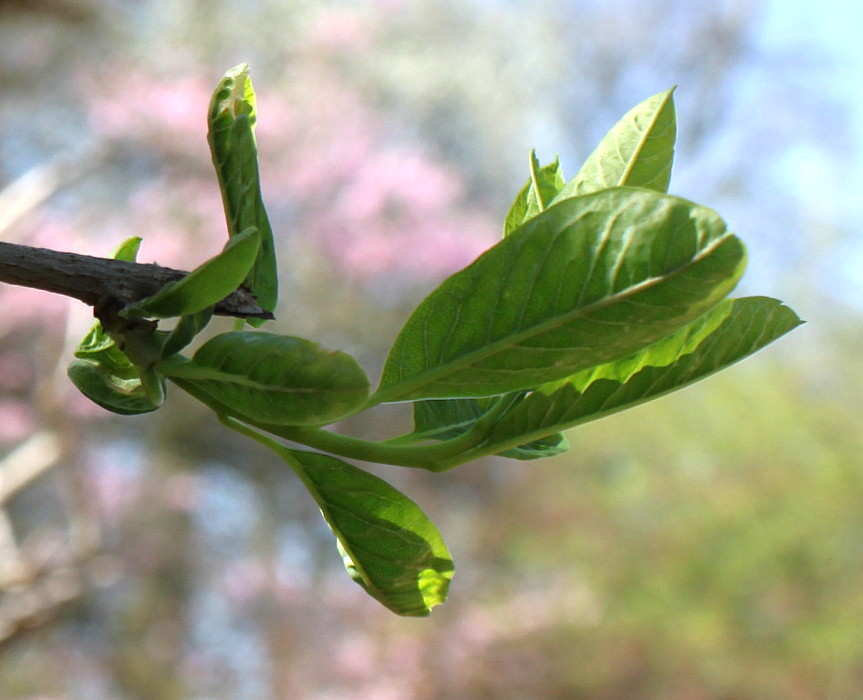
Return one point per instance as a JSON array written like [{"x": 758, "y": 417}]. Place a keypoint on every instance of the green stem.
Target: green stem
[
  {"x": 271, "y": 444},
  {"x": 422, "y": 456},
  {"x": 419, "y": 456}
]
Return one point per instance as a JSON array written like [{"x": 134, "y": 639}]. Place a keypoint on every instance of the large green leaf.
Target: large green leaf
[
  {"x": 273, "y": 379},
  {"x": 388, "y": 544},
  {"x": 637, "y": 152},
  {"x": 590, "y": 280},
  {"x": 745, "y": 326},
  {"x": 232, "y": 116},
  {"x": 538, "y": 192},
  {"x": 207, "y": 284}
]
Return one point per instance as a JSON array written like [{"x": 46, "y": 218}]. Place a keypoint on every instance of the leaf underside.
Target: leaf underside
[
  {"x": 388, "y": 544},
  {"x": 746, "y": 326}
]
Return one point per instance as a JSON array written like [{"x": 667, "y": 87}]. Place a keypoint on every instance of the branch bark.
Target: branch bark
[{"x": 104, "y": 282}]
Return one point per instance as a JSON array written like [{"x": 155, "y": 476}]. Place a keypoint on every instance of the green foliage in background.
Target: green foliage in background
[{"x": 605, "y": 292}]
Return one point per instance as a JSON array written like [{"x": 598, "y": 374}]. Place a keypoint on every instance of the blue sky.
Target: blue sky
[{"x": 823, "y": 171}]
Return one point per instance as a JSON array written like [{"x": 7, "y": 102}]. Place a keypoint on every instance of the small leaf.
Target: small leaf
[
  {"x": 550, "y": 446},
  {"x": 388, "y": 544},
  {"x": 747, "y": 326},
  {"x": 108, "y": 379},
  {"x": 590, "y": 280},
  {"x": 153, "y": 384},
  {"x": 544, "y": 184},
  {"x": 94, "y": 343},
  {"x": 186, "y": 330},
  {"x": 232, "y": 116},
  {"x": 128, "y": 249},
  {"x": 637, "y": 152},
  {"x": 105, "y": 374},
  {"x": 274, "y": 379},
  {"x": 206, "y": 285}
]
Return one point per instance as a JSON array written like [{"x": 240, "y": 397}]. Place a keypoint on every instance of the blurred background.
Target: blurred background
[{"x": 708, "y": 546}]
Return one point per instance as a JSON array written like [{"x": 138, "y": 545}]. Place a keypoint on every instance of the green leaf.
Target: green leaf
[
  {"x": 207, "y": 284},
  {"x": 590, "y": 280},
  {"x": 231, "y": 120},
  {"x": 444, "y": 419},
  {"x": 659, "y": 354},
  {"x": 105, "y": 374},
  {"x": 544, "y": 184},
  {"x": 637, "y": 152},
  {"x": 388, "y": 544},
  {"x": 746, "y": 325},
  {"x": 94, "y": 343},
  {"x": 128, "y": 249},
  {"x": 109, "y": 379},
  {"x": 549, "y": 446},
  {"x": 274, "y": 379},
  {"x": 185, "y": 331}
]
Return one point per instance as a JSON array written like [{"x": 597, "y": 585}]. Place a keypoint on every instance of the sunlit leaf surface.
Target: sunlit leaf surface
[{"x": 589, "y": 280}]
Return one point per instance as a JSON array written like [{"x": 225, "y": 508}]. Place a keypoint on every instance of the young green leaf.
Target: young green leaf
[
  {"x": 232, "y": 116},
  {"x": 590, "y": 280},
  {"x": 274, "y": 379},
  {"x": 105, "y": 374},
  {"x": 94, "y": 343},
  {"x": 637, "y": 152},
  {"x": 185, "y": 331},
  {"x": 544, "y": 184},
  {"x": 128, "y": 249},
  {"x": 388, "y": 544},
  {"x": 109, "y": 379},
  {"x": 747, "y": 325},
  {"x": 207, "y": 284},
  {"x": 549, "y": 446}
]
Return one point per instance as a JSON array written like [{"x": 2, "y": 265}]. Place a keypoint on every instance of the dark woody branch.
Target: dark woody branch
[{"x": 103, "y": 282}]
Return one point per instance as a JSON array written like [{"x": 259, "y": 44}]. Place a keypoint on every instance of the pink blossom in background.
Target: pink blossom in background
[
  {"x": 170, "y": 111},
  {"x": 18, "y": 421},
  {"x": 244, "y": 579},
  {"x": 115, "y": 489},
  {"x": 395, "y": 181},
  {"x": 374, "y": 205},
  {"x": 22, "y": 307},
  {"x": 428, "y": 250},
  {"x": 17, "y": 371},
  {"x": 339, "y": 29},
  {"x": 182, "y": 492}
]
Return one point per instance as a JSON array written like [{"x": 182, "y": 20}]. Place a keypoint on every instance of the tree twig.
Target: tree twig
[{"x": 103, "y": 282}]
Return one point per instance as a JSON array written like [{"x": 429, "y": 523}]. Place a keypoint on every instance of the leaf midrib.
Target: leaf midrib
[
  {"x": 643, "y": 141},
  {"x": 212, "y": 374}
]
